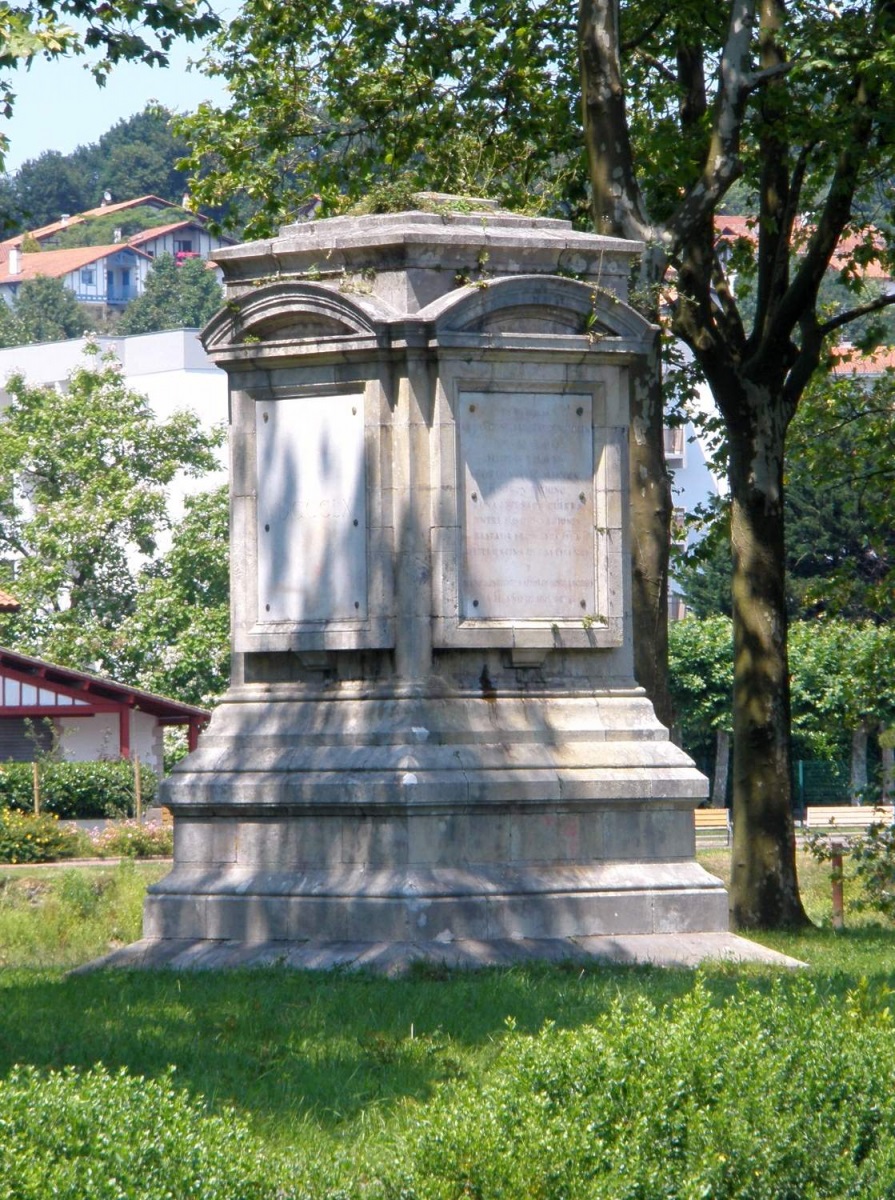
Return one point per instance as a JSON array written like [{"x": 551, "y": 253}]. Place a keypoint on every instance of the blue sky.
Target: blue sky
[{"x": 59, "y": 106}]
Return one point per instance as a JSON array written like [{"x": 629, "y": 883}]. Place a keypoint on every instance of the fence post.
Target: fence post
[
  {"x": 138, "y": 790},
  {"x": 836, "y": 851},
  {"x": 35, "y": 783}
]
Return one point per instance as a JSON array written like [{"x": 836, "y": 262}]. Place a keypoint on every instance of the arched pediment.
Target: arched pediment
[
  {"x": 536, "y": 304},
  {"x": 292, "y": 311}
]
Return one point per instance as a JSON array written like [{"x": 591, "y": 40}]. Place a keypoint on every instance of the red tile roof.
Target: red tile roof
[
  {"x": 8, "y": 603},
  {"x": 731, "y": 228},
  {"x": 46, "y": 231},
  {"x": 56, "y": 263},
  {"x": 146, "y": 235},
  {"x": 852, "y": 362}
]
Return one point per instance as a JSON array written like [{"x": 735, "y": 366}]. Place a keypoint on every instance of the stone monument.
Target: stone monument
[{"x": 433, "y": 744}]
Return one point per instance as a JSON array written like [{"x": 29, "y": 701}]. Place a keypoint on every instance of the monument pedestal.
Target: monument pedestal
[
  {"x": 435, "y": 819},
  {"x": 433, "y": 744}
]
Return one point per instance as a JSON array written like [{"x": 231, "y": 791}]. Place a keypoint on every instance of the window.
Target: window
[
  {"x": 88, "y": 276},
  {"x": 674, "y": 442},
  {"x": 184, "y": 246}
]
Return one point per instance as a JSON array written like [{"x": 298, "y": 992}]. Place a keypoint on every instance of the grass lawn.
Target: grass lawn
[{"x": 332, "y": 1067}]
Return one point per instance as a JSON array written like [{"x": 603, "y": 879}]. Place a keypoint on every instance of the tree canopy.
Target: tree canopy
[
  {"x": 112, "y": 32},
  {"x": 176, "y": 295},
  {"x": 84, "y": 474},
  {"x": 840, "y": 514},
  {"x": 44, "y": 310},
  {"x": 137, "y": 156},
  {"x": 176, "y": 641}
]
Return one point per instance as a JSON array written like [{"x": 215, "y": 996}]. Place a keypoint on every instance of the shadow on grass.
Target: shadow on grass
[{"x": 288, "y": 1048}]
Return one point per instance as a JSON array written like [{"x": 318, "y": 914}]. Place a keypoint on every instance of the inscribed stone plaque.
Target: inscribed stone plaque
[
  {"x": 528, "y": 506},
  {"x": 312, "y": 563}
]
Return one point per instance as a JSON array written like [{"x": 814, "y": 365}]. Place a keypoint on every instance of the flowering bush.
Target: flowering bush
[
  {"x": 133, "y": 839},
  {"x": 26, "y": 839}
]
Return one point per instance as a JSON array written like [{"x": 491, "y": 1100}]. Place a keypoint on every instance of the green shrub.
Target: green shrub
[
  {"x": 134, "y": 839},
  {"x": 99, "y": 1136},
  {"x": 762, "y": 1098},
  {"x": 25, "y": 838},
  {"x": 869, "y": 859},
  {"x": 76, "y": 790}
]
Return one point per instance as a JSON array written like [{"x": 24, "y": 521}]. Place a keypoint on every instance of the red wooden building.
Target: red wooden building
[{"x": 88, "y": 717}]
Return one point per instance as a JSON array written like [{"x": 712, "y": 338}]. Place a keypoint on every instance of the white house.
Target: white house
[
  {"x": 103, "y": 275},
  {"x": 112, "y": 274}
]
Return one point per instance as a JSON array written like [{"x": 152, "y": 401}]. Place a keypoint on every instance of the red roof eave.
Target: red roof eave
[{"x": 80, "y": 685}]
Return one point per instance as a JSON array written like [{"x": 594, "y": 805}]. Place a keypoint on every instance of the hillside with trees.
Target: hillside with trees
[{"x": 138, "y": 156}]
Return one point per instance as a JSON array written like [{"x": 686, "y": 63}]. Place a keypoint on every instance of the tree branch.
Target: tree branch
[
  {"x": 853, "y": 314},
  {"x": 618, "y": 204},
  {"x": 722, "y": 163}
]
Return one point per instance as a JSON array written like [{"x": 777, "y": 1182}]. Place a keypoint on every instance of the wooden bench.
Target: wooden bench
[
  {"x": 843, "y": 817},
  {"x": 710, "y": 821}
]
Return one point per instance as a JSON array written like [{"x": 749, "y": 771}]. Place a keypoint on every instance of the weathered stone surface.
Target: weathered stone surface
[{"x": 433, "y": 737}]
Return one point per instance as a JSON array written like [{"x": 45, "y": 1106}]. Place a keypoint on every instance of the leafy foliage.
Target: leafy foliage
[
  {"x": 136, "y": 157},
  {"x": 83, "y": 478},
  {"x": 700, "y": 675},
  {"x": 342, "y": 98},
  {"x": 25, "y": 838},
  {"x": 44, "y": 310},
  {"x": 869, "y": 861},
  {"x": 762, "y": 1097},
  {"x": 76, "y": 790},
  {"x": 105, "y": 1135},
  {"x": 103, "y": 229},
  {"x": 840, "y": 514},
  {"x": 842, "y": 679},
  {"x": 176, "y": 296},
  {"x": 177, "y": 639},
  {"x": 840, "y": 544},
  {"x": 118, "y": 31}
]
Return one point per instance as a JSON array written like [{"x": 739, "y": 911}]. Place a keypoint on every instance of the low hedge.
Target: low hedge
[
  {"x": 76, "y": 790},
  {"x": 103, "y": 1136},
  {"x": 766, "y": 1097}
]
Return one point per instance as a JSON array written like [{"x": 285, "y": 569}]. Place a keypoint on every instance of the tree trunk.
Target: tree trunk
[
  {"x": 650, "y": 540},
  {"x": 888, "y": 774},
  {"x": 764, "y": 890},
  {"x": 858, "y": 762},
  {"x": 618, "y": 210},
  {"x": 722, "y": 769}
]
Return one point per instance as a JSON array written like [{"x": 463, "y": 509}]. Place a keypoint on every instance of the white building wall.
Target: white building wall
[
  {"x": 86, "y": 739},
  {"x": 171, "y": 369}
]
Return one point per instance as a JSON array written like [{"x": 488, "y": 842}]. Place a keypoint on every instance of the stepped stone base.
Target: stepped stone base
[
  {"x": 396, "y": 958},
  {"x": 426, "y": 819}
]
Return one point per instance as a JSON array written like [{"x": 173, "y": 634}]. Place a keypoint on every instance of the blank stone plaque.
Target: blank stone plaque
[
  {"x": 528, "y": 506},
  {"x": 312, "y": 563}
]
